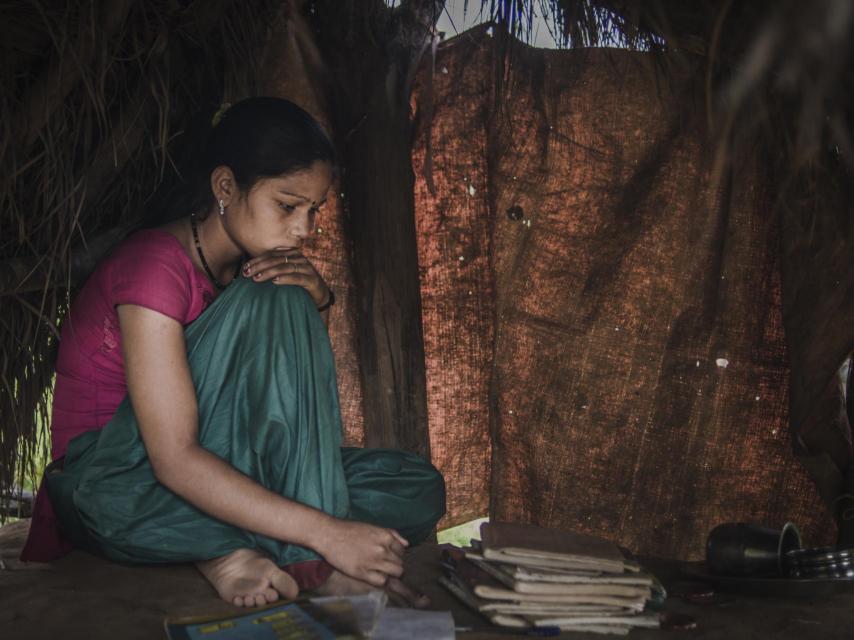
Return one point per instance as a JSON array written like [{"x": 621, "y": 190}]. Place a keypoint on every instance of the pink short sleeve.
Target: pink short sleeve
[
  {"x": 149, "y": 269},
  {"x": 154, "y": 275}
]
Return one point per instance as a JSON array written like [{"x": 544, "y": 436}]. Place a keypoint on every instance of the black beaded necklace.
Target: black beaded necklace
[{"x": 208, "y": 271}]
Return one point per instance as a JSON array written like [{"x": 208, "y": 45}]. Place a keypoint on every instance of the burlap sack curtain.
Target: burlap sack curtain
[{"x": 600, "y": 309}]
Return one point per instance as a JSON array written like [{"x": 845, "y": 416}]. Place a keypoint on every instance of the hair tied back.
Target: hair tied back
[{"x": 217, "y": 117}]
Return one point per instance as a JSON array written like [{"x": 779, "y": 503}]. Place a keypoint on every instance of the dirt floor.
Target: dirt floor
[{"x": 88, "y": 598}]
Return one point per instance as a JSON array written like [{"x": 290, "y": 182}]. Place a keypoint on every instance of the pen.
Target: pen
[{"x": 540, "y": 632}]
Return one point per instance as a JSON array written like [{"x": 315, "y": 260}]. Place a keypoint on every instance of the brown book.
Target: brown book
[
  {"x": 461, "y": 590},
  {"x": 625, "y": 585},
  {"x": 586, "y": 589},
  {"x": 601, "y": 629},
  {"x": 534, "y": 574},
  {"x": 487, "y": 581},
  {"x": 647, "y": 620},
  {"x": 532, "y": 546},
  {"x": 497, "y": 593},
  {"x": 551, "y": 610}
]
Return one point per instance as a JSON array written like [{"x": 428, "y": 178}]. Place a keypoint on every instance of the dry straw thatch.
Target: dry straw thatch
[
  {"x": 96, "y": 97},
  {"x": 92, "y": 97}
]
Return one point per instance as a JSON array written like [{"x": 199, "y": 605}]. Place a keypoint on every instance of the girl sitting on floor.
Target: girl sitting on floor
[{"x": 196, "y": 414}]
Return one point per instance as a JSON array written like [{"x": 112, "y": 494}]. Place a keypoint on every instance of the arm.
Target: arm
[
  {"x": 290, "y": 266},
  {"x": 163, "y": 397}
]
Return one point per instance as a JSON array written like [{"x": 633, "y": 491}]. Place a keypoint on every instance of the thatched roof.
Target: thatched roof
[
  {"x": 92, "y": 96},
  {"x": 97, "y": 100}
]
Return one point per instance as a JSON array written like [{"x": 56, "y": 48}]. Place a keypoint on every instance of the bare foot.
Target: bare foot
[
  {"x": 340, "y": 584},
  {"x": 247, "y": 578}
]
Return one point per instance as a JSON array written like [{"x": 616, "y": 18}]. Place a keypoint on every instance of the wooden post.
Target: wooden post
[
  {"x": 381, "y": 223},
  {"x": 369, "y": 103}
]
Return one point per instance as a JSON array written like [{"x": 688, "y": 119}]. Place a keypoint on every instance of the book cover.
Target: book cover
[
  {"x": 649, "y": 621},
  {"x": 533, "y": 574},
  {"x": 545, "y": 609},
  {"x": 495, "y": 593},
  {"x": 288, "y": 620},
  {"x": 529, "y": 545},
  {"x": 340, "y": 617},
  {"x": 626, "y": 585},
  {"x": 459, "y": 589}
]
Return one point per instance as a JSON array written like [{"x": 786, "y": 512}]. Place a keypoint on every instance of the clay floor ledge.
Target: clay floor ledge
[{"x": 84, "y": 597}]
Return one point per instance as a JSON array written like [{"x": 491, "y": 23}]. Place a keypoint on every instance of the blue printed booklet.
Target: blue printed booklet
[
  {"x": 339, "y": 617},
  {"x": 287, "y": 621}
]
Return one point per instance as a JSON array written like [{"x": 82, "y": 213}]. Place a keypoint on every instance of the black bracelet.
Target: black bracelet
[{"x": 328, "y": 303}]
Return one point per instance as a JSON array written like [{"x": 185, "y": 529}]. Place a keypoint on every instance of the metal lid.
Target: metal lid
[{"x": 820, "y": 562}]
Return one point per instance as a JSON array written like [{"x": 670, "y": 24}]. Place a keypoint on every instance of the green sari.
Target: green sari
[{"x": 267, "y": 398}]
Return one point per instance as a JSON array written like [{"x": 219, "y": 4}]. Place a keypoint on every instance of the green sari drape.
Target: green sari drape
[{"x": 267, "y": 399}]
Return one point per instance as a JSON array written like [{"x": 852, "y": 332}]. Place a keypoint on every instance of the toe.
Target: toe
[
  {"x": 237, "y": 601},
  {"x": 422, "y": 601},
  {"x": 284, "y": 583},
  {"x": 270, "y": 595},
  {"x": 412, "y": 597}
]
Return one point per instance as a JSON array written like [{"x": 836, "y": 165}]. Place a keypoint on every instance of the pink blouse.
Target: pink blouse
[{"x": 149, "y": 269}]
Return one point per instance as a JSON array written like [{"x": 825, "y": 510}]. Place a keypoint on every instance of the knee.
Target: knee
[
  {"x": 266, "y": 307},
  {"x": 260, "y": 295},
  {"x": 396, "y": 489},
  {"x": 434, "y": 489},
  {"x": 430, "y": 501}
]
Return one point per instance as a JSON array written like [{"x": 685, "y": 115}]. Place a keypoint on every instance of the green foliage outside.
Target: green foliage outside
[
  {"x": 461, "y": 535},
  {"x": 29, "y": 477}
]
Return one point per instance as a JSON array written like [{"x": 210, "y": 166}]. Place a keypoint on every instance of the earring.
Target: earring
[{"x": 221, "y": 208}]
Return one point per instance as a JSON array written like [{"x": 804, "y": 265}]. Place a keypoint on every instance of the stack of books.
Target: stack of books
[{"x": 525, "y": 576}]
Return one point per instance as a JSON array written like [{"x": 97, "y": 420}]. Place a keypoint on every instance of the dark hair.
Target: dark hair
[{"x": 261, "y": 138}]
